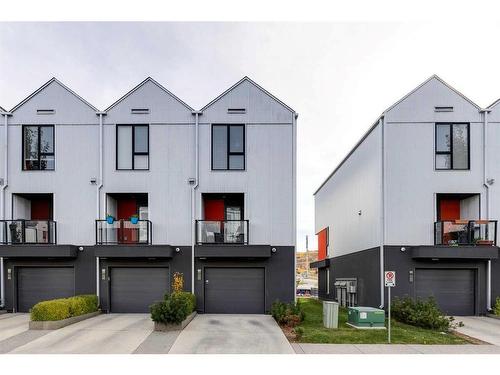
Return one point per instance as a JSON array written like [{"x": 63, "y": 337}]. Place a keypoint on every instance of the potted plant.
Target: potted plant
[
  {"x": 134, "y": 219},
  {"x": 110, "y": 219}
]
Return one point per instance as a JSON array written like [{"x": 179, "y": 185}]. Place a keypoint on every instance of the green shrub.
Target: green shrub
[
  {"x": 174, "y": 308},
  {"x": 289, "y": 314},
  {"x": 420, "y": 313},
  {"x": 496, "y": 308},
  {"x": 64, "y": 308}
]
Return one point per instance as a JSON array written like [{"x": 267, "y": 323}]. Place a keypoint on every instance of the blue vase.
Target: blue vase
[
  {"x": 134, "y": 220},
  {"x": 110, "y": 219}
]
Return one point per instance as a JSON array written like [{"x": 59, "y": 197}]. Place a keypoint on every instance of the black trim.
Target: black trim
[
  {"x": 228, "y": 151},
  {"x": 40, "y": 154},
  {"x": 134, "y": 153},
  {"x": 436, "y": 152}
]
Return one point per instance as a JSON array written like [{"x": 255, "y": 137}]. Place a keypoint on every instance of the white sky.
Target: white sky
[{"x": 338, "y": 77}]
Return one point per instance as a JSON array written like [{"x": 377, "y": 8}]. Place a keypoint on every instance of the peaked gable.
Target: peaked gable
[
  {"x": 419, "y": 105},
  {"x": 157, "y": 104},
  {"x": 54, "y": 102},
  {"x": 248, "y": 102}
]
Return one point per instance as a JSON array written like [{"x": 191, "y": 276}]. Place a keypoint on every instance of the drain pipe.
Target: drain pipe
[
  {"x": 382, "y": 212},
  {"x": 193, "y": 193},
  {"x": 4, "y": 186},
  {"x": 98, "y": 197},
  {"x": 486, "y": 185}
]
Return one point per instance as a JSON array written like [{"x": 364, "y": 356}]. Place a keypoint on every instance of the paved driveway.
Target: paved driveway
[
  {"x": 217, "y": 333},
  {"x": 480, "y": 327}
]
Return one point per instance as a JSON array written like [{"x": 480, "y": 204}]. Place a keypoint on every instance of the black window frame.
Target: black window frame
[
  {"x": 228, "y": 151},
  {"x": 134, "y": 153},
  {"x": 436, "y": 152},
  {"x": 40, "y": 154}
]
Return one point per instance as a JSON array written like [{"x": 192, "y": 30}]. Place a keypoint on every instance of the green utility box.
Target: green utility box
[{"x": 366, "y": 317}]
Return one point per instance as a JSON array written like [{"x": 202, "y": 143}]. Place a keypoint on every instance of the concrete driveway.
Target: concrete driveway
[
  {"x": 480, "y": 327},
  {"x": 230, "y": 334}
]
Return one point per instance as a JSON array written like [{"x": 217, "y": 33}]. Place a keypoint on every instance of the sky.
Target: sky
[{"x": 339, "y": 77}]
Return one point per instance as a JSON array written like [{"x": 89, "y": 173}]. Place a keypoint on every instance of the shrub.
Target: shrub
[
  {"x": 64, "y": 308},
  {"x": 496, "y": 308},
  {"x": 174, "y": 308},
  {"x": 287, "y": 314},
  {"x": 178, "y": 282},
  {"x": 421, "y": 313},
  {"x": 299, "y": 332}
]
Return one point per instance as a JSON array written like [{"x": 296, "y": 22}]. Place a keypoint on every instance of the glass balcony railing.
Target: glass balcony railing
[
  {"x": 123, "y": 232},
  {"x": 465, "y": 232},
  {"x": 27, "y": 232},
  {"x": 222, "y": 232}
]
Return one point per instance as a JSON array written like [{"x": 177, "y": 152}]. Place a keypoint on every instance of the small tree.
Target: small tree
[{"x": 178, "y": 282}]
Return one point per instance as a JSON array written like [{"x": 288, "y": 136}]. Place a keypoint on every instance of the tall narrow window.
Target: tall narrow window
[
  {"x": 38, "y": 147},
  {"x": 452, "y": 146},
  {"x": 228, "y": 147},
  {"x": 132, "y": 147}
]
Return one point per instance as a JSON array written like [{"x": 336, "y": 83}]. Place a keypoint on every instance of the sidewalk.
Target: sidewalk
[{"x": 393, "y": 349}]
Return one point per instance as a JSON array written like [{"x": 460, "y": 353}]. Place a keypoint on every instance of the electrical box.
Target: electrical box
[
  {"x": 366, "y": 317},
  {"x": 330, "y": 314}
]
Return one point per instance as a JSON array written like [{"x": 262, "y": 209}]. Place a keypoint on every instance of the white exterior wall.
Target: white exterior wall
[
  {"x": 411, "y": 179},
  {"x": 268, "y": 179},
  {"x": 76, "y": 162},
  {"x": 493, "y": 164},
  {"x": 355, "y": 186}
]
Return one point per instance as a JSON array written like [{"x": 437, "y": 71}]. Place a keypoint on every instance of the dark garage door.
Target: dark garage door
[
  {"x": 133, "y": 290},
  {"x": 234, "y": 290},
  {"x": 453, "y": 289},
  {"x": 35, "y": 284}
]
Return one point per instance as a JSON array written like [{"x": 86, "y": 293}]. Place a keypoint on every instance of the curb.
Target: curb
[{"x": 56, "y": 324}]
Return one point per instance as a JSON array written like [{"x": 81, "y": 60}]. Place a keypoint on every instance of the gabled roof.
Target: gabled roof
[
  {"x": 2, "y": 110},
  {"x": 149, "y": 79},
  {"x": 433, "y": 77},
  {"x": 493, "y": 104},
  {"x": 53, "y": 79},
  {"x": 253, "y": 83}
]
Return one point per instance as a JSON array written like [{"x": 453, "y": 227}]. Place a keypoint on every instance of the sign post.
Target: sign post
[{"x": 390, "y": 281}]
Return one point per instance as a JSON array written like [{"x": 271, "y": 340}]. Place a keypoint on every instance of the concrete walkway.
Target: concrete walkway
[
  {"x": 393, "y": 349},
  {"x": 232, "y": 334},
  {"x": 480, "y": 327}
]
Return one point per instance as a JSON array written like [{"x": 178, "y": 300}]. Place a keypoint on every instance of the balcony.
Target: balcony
[
  {"x": 123, "y": 232},
  {"x": 30, "y": 232},
  {"x": 465, "y": 233},
  {"x": 222, "y": 232}
]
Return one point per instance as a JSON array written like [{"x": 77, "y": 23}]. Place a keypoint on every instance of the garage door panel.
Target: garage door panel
[
  {"x": 133, "y": 290},
  {"x": 234, "y": 290},
  {"x": 453, "y": 289},
  {"x": 35, "y": 284}
]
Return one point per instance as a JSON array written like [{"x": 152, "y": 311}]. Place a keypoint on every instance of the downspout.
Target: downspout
[
  {"x": 98, "y": 196},
  {"x": 487, "y": 193},
  {"x": 382, "y": 212},
  {"x": 294, "y": 197},
  {"x": 193, "y": 194},
  {"x": 4, "y": 186}
]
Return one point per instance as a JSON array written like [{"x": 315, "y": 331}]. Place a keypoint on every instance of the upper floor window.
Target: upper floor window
[
  {"x": 38, "y": 147},
  {"x": 452, "y": 146},
  {"x": 132, "y": 147},
  {"x": 228, "y": 147}
]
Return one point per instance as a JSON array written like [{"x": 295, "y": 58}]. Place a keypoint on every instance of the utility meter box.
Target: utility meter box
[
  {"x": 366, "y": 317},
  {"x": 330, "y": 314}
]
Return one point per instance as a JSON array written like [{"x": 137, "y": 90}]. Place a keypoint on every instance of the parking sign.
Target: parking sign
[{"x": 390, "y": 278}]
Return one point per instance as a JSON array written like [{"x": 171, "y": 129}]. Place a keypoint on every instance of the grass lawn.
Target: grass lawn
[{"x": 314, "y": 332}]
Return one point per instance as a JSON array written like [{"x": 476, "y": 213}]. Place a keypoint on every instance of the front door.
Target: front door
[{"x": 126, "y": 208}]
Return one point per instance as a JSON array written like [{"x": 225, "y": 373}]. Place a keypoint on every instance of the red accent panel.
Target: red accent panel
[
  {"x": 322, "y": 242},
  {"x": 126, "y": 208},
  {"x": 41, "y": 209},
  {"x": 449, "y": 209},
  {"x": 214, "y": 209}
]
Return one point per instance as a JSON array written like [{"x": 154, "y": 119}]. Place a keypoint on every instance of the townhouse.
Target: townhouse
[
  {"x": 115, "y": 202},
  {"x": 417, "y": 195}
]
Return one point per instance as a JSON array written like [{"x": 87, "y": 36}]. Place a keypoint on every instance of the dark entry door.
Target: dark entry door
[
  {"x": 133, "y": 290},
  {"x": 453, "y": 289},
  {"x": 234, "y": 290},
  {"x": 35, "y": 284}
]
